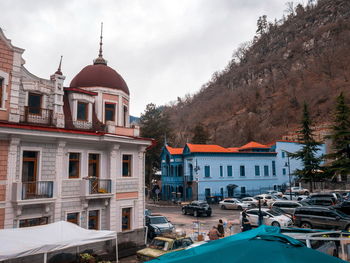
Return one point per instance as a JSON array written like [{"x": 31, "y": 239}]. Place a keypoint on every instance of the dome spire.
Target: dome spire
[
  {"x": 59, "y": 72},
  {"x": 100, "y": 59}
]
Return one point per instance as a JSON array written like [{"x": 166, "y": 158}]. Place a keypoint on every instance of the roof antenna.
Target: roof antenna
[
  {"x": 165, "y": 140},
  {"x": 100, "y": 59},
  {"x": 59, "y": 72}
]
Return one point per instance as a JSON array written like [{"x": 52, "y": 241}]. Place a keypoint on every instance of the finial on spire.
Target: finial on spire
[
  {"x": 100, "y": 52},
  {"x": 100, "y": 59},
  {"x": 59, "y": 72}
]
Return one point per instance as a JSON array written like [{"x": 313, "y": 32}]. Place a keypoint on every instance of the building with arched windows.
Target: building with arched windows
[{"x": 68, "y": 152}]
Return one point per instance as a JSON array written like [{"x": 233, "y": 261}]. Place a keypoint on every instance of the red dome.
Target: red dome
[{"x": 99, "y": 75}]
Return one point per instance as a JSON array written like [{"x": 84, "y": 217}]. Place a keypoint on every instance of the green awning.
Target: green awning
[{"x": 261, "y": 245}]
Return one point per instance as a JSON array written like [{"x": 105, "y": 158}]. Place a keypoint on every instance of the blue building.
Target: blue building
[{"x": 198, "y": 171}]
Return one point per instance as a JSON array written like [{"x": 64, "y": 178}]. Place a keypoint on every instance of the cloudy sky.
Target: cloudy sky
[{"x": 162, "y": 48}]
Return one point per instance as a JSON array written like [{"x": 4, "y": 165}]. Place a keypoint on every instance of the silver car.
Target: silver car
[
  {"x": 287, "y": 206},
  {"x": 232, "y": 203}
]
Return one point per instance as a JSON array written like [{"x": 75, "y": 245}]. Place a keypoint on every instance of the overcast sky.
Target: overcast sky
[{"x": 162, "y": 48}]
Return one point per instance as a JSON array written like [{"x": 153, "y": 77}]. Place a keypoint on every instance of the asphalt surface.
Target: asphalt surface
[{"x": 189, "y": 223}]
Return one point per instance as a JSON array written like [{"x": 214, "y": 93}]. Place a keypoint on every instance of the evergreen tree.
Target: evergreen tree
[
  {"x": 340, "y": 157},
  {"x": 262, "y": 25},
  {"x": 200, "y": 135},
  {"x": 154, "y": 124},
  {"x": 307, "y": 154}
]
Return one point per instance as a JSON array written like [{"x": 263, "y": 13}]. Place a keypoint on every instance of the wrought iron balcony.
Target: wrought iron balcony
[
  {"x": 99, "y": 186},
  {"x": 37, "y": 190},
  {"x": 37, "y": 115},
  {"x": 94, "y": 187}
]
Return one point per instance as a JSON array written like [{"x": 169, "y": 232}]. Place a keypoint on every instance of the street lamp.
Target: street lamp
[
  {"x": 196, "y": 169},
  {"x": 290, "y": 182}
]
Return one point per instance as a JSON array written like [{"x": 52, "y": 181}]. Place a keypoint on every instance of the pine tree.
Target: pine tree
[
  {"x": 340, "y": 157},
  {"x": 200, "y": 135},
  {"x": 154, "y": 124},
  {"x": 308, "y": 153},
  {"x": 262, "y": 25}
]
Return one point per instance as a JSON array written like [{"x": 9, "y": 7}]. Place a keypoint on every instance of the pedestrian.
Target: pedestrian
[
  {"x": 245, "y": 222},
  {"x": 221, "y": 228},
  {"x": 265, "y": 203},
  {"x": 214, "y": 233}
]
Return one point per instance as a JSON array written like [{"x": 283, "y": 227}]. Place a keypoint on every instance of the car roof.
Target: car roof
[
  {"x": 286, "y": 201},
  {"x": 155, "y": 216},
  {"x": 315, "y": 207},
  {"x": 262, "y": 209}
]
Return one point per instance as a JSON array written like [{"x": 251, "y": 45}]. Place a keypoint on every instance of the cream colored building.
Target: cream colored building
[{"x": 68, "y": 152}]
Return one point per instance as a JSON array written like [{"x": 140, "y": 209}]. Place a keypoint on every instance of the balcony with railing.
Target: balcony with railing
[
  {"x": 36, "y": 115},
  {"x": 33, "y": 192},
  {"x": 93, "y": 187}
]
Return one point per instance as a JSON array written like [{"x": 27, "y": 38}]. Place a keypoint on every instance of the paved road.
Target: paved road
[{"x": 187, "y": 222}]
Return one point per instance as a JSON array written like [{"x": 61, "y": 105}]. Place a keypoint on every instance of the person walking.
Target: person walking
[
  {"x": 245, "y": 222},
  {"x": 214, "y": 233},
  {"x": 221, "y": 228}
]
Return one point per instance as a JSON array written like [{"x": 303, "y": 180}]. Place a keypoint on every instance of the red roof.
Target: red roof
[
  {"x": 173, "y": 151},
  {"x": 233, "y": 149},
  {"x": 81, "y": 91},
  {"x": 99, "y": 75},
  {"x": 253, "y": 145},
  {"x": 207, "y": 148}
]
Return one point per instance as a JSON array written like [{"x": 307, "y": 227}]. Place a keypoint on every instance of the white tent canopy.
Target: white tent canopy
[{"x": 20, "y": 242}]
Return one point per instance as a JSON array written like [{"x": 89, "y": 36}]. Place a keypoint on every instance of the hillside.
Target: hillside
[{"x": 259, "y": 95}]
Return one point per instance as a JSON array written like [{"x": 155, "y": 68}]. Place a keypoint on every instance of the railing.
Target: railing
[
  {"x": 37, "y": 115},
  {"x": 86, "y": 125},
  {"x": 99, "y": 186},
  {"x": 37, "y": 190}
]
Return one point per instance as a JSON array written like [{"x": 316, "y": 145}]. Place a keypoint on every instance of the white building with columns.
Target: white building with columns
[{"x": 69, "y": 153}]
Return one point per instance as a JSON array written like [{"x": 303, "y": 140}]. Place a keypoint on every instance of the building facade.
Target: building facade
[
  {"x": 69, "y": 153},
  {"x": 199, "y": 171}
]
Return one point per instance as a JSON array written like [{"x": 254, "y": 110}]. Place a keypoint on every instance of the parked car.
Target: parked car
[
  {"x": 274, "y": 192},
  {"x": 334, "y": 196},
  {"x": 270, "y": 217},
  {"x": 322, "y": 201},
  {"x": 287, "y": 206},
  {"x": 321, "y": 217},
  {"x": 250, "y": 200},
  {"x": 158, "y": 225},
  {"x": 197, "y": 208},
  {"x": 346, "y": 196},
  {"x": 298, "y": 189},
  {"x": 232, "y": 203},
  {"x": 265, "y": 197},
  {"x": 343, "y": 207},
  {"x": 214, "y": 199},
  {"x": 162, "y": 245},
  {"x": 295, "y": 196}
]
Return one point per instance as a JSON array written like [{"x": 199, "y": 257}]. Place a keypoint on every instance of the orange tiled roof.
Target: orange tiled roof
[
  {"x": 207, "y": 148},
  {"x": 252, "y": 145},
  {"x": 233, "y": 149},
  {"x": 173, "y": 151}
]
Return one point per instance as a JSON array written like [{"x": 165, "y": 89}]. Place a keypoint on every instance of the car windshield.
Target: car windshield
[
  {"x": 203, "y": 204},
  {"x": 158, "y": 220},
  {"x": 273, "y": 212},
  {"x": 159, "y": 244}
]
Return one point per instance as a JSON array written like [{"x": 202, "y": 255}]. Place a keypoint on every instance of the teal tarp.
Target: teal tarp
[{"x": 261, "y": 245}]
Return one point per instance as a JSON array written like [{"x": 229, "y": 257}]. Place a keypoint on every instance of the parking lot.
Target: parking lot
[{"x": 189, "y": 223}]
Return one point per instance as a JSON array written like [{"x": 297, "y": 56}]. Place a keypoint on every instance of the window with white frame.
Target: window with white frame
[
  {"x": 73, "y": 217},
  {"x": 127, "y": 165}
]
